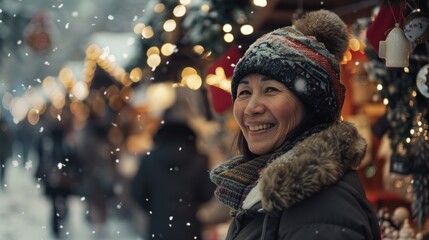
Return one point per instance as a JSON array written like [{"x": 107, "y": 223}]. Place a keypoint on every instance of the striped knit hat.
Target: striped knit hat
[{"x": 305, "y": 58}]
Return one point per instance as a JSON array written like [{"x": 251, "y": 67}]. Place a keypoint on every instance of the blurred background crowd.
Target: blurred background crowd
[{"x": 123, "y": 107}]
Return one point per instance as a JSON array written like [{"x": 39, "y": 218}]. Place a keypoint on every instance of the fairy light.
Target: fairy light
[
  {"x": 385, "y": 101},
  {"x": 169, "y": 25},
  {"x": 147, "y": 32},
  {"x": 205, "y": 8},
  {"x": 67, "y": 78},
  {"x": 227, "y": 28},
  {"x": 228, "y": 37},
  {"x": 136, "y": 74},
  {"x": 185, "y": 2},
  {"x": 80, "y": 90},
  {"x": 193, "y": 81},
  {"x": 246, "y": 29},
  {"x": 159, "y": 8},
  {"x": 379, "y": 87},
  {"x": 179, "y": 10},
  {"x": 152, "y": 50},
  {"x": 354, "y": 44},
  {"x": 153, "y": 60},
  {"x": 167, "y": 49},
  {"x": 33, "y": 116},
  {"x": 198, "y": 49},
  {"x": 219, "y": 79},
  {"x": 138, "y": 28},
  {"x": 260, "y": 3}
]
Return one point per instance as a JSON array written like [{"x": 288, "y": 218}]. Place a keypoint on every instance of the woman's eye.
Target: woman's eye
[
  {"x": 243, "y": 92},
  {"x": 271, "y": 89}
]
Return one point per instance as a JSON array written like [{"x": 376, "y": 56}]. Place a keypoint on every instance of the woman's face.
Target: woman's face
[{"x": 266, "y": 112}]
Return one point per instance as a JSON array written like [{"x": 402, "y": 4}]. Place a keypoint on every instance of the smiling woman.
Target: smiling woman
[
  {"x": 296, "y": 177},
  {"x": 266, "y": 112}
]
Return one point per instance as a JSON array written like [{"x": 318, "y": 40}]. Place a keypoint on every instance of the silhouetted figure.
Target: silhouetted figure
[
  {"x": 6, "y": 140},
  {"x": 59, "y": 170},
  {"x": 171, "y": 184}
]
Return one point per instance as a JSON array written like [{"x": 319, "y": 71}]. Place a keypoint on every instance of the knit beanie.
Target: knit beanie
[{"x": 305, "y": 58}]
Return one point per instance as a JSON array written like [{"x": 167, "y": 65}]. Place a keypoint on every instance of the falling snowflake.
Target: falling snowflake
[
  {"x": 28, "y": 165},
  {"x": 15, "y": 163}
]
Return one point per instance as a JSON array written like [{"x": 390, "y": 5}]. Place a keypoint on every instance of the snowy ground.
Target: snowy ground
[{"x": 24, "y": 214}]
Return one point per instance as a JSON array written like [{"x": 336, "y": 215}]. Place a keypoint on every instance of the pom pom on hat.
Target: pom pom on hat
[
  {"x": 327, "y": 28},
  {"x": 305, "y": 58}
]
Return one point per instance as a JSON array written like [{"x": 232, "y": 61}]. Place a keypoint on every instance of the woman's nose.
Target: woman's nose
[{"x": 254, "y": 106}]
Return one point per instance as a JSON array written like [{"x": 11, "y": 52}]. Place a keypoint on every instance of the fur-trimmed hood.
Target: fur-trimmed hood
[{"x": 313, "y": 164}]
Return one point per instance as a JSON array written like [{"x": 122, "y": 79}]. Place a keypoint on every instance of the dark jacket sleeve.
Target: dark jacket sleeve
[{"x": 339, "y": 212}]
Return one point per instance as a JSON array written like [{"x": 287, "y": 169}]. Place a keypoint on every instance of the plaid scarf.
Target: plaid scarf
[{"x": 236, "y": 177}]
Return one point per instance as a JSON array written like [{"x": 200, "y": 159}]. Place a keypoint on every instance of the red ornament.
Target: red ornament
[
  {"x": 37, "y": 33},
  {"x": 221, "y": 100}
]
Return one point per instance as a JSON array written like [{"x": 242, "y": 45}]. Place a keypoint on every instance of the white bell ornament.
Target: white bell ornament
[{"x": 396, "y": 48}]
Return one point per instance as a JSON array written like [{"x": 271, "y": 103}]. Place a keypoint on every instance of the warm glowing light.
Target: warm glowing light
[
  {"x": 136, "y": 74},
  {"x": 49, "y": 85},
  {"x": 169, "y": 25},
  {"x": 159, "y": 7},
  {"x": 58, "y": 100},
  {"x": 80, "y": 91},
  {"x": 67, "y": 77},
  {"x": 227, "y": 28},
  {"x": 354, "y": 44},
  {"x": 219, "y": 79},
  {"x": 198, "y": 49},
  {"x": 194, "y": 81},
  {"x": 187, "y": 71},
  {"x": 205, "y": 8},
  {"x": 260, "y": 3},
  {"x": 153, "y": 60},
  {"x": 348, "y": 55},
  {"x": 179, "y": 10},
  {"x": 147, "y": 32},
  {"x": 228, "y": 37},
  {"x": 33, "y": 116},
  {"x": 379, "y": 87},
  {"x": 93, "y": 52},
  {"x": 385, "y": 101},
  {"x": 185, "y": 2},
  {"x": 18, "y": 109},
  {"x": 406, "y": 69},
  {"x": 246, "y": 29},
  {"x": 168, "y": 49},
  {"x": 160, "y": 96},
  {"x": 152, "y": 50},
  {"x": 138, "y": 28}
]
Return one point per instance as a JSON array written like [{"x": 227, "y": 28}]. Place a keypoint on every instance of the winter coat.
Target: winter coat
[
  {"x": 306, "y": 194},
  {"x": 171, "y": 184},
  {"x": 58, "y": 168}
]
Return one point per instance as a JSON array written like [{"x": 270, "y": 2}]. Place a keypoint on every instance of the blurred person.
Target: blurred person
[
  {"x": 99, "y": 174},
  {"x": 58, "y": 169},
  {"x": 172, "y": 182},
  {"x": 296, "y": 175},
  {"x": 24, "y": 140},
  {"x": 6, "y": 140}
]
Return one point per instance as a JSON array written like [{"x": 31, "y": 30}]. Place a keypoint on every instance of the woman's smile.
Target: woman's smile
[{"x": 266, "y": 112}]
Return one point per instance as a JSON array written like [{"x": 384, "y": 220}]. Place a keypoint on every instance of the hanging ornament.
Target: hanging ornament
[
  {"x": 416, "y": 27},
  {"x": 422, "y": 81},
  {"x": 37, "y": 34},
  {"x": 395, "y": 49}
]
